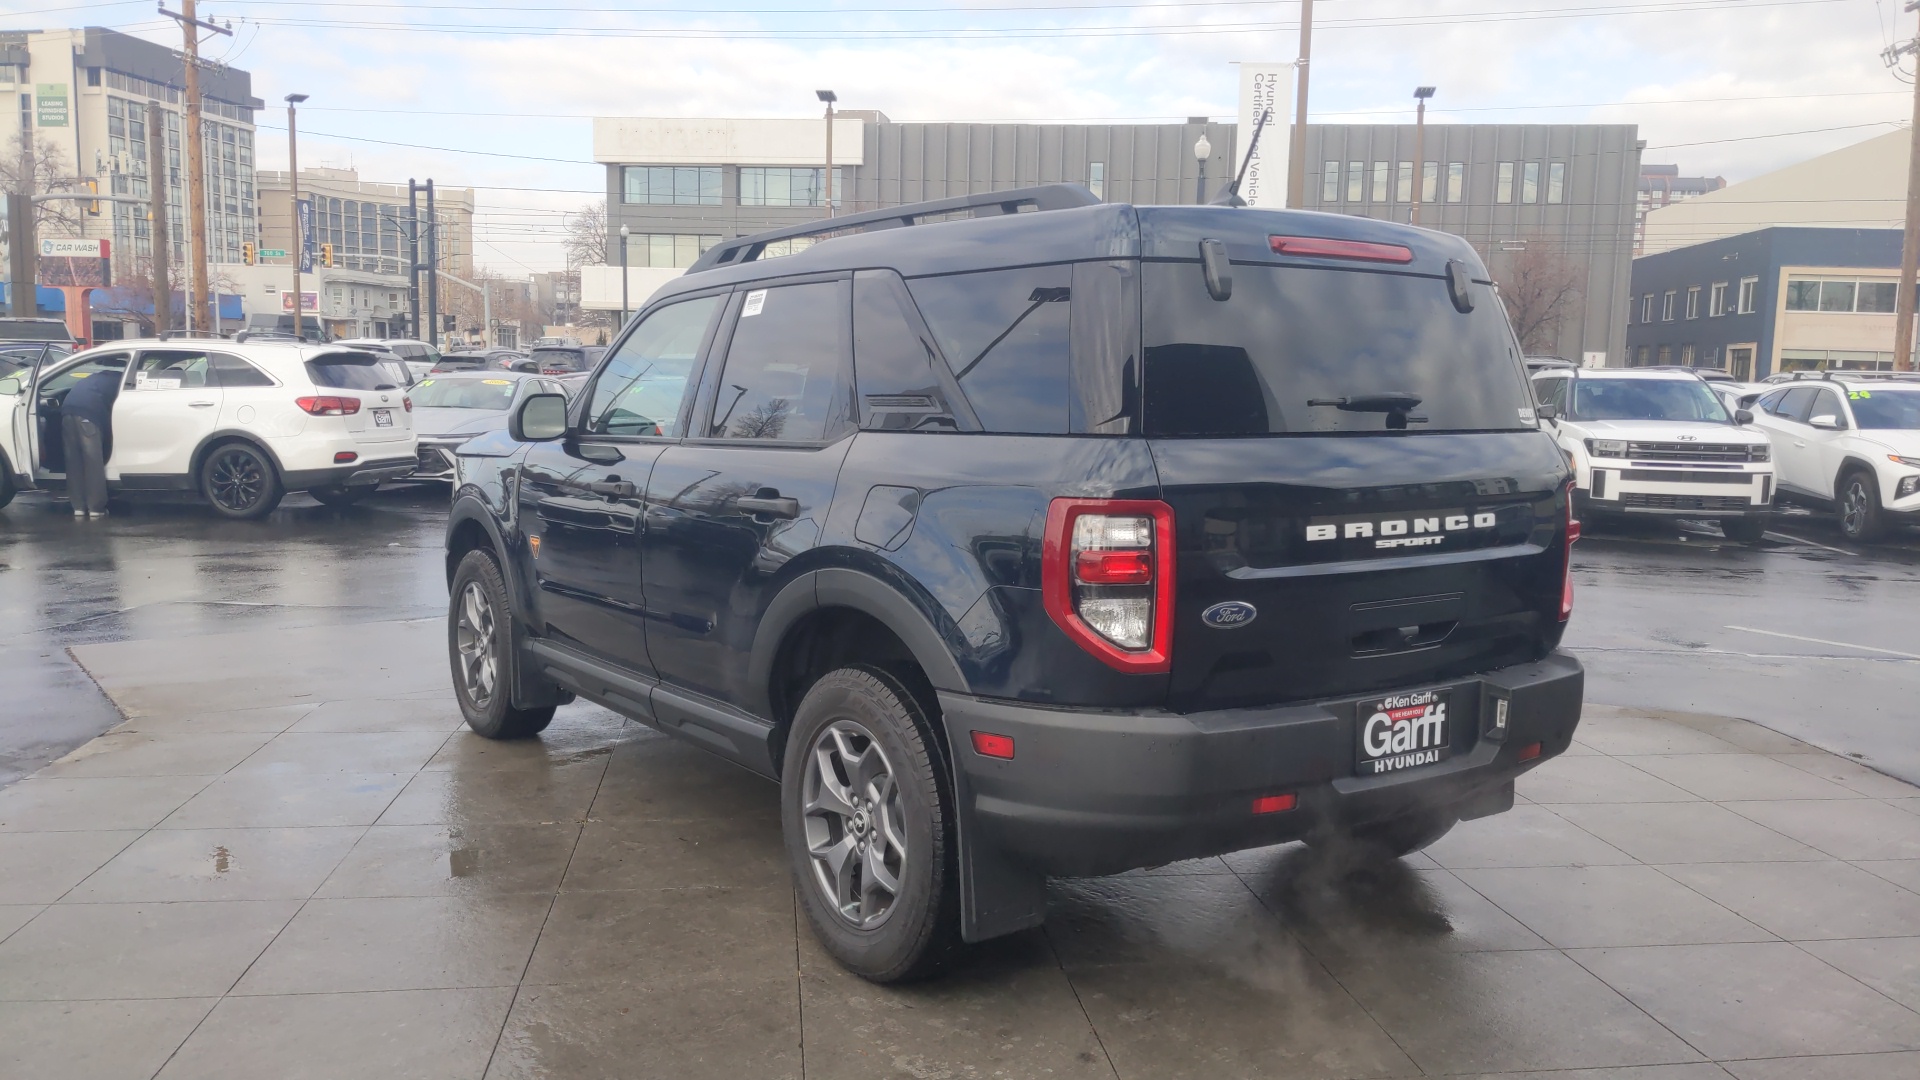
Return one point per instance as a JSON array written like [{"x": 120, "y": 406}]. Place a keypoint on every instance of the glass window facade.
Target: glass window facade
[
  {"x": 682, "y": 185},
  {"x": 677, "y": 250},
  {"x": 760, "y": 186}
]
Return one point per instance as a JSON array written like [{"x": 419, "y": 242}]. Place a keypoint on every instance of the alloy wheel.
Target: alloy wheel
[
  {"x": 1853, "y": 510},
  {"x": 474, "y": 633},
  {"x": 855, "y": 827},
  {"x": 237, "y": 481}
]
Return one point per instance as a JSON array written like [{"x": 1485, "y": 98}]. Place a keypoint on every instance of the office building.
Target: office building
[
  {"x": 1662, "y": 186},
  {"x": 1863, "y": 186},
  {"x": 1775, "y": 299},
  {"x": 1565, "y": 191}
]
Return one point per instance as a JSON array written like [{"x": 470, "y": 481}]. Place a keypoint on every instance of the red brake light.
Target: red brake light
[
  {"x": 1274, "y": 804},
  {"x": 345, "y": 457},
  {"x": 1106, "y": 577},
  {"x": 408, "y": 402},
  {"x": 993, "y": 746},
  {"x": 329, "y": 406},
  {"x": 1325, "y": 248},
  {"x": 1529, "y": 752},
  {"x": 1566, "y": 580}
]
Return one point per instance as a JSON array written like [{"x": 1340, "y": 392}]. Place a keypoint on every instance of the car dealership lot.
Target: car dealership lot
[{"x": 290, "y": 856}]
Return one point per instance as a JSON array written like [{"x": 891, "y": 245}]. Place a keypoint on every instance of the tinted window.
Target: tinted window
[
  {"x": 900, "y": 390},
  {"x": 1005, "y": 336},
  {"x": 1291, "y": 337},
  {"x": 1551, "y": 392},
  {"x": 170, "y": 369},
  {"x": 1826, "y": 403},
  {"x": 1646, "y": 399},
  {"x": 561, "y": 359},
  {"x": 1884, "y": 410},
  {"x": 641, "y": 386},
  {"x": 1795, "y": 403},
  {"x": 786, "y": 373},
  {"x": 350, "y": 371},
  {"x": 231, "y": 371}
]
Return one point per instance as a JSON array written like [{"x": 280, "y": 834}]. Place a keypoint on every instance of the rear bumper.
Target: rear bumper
[
  {"x": 358, "y": 474},
  {"x": 1091, "y": 793}
]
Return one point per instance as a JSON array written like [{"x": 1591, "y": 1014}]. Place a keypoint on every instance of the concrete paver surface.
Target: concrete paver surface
[{"x": 292, "y": 860}]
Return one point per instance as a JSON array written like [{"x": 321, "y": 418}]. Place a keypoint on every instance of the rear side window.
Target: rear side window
[
  {"x": 1005, "y": 336},
  {"x": 234, "y": 373},
  {"x": 1294, "y": 344},
  {"x": 349, "y": 371},
  {"x": 786, "y": 373},
  {"x": 900, "y": 387}
]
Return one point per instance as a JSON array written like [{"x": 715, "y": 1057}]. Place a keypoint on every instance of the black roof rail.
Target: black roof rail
[{"x": 744, "y": 249}]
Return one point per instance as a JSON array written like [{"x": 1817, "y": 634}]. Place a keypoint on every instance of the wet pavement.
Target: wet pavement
[{"x": 291, "y": 860}]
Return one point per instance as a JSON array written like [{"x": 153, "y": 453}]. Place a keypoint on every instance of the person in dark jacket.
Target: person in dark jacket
[{"x": 86, "y": 435}]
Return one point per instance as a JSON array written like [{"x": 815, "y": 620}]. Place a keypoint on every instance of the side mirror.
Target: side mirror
[
  {"x": 1826, "y": 422},
  {"x": 1547, "y": 412},
  {"x": 540, "y": 418},
  {"x": 1217, "y": 269},
  {"x": 1742, "y": 417},
  {"x": 10, "y": 386}
]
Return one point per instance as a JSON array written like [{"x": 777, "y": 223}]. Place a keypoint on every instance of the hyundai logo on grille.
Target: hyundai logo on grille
[
  {"x": 1422, "y": 530},
  {"x": 1230, "y": 615}
]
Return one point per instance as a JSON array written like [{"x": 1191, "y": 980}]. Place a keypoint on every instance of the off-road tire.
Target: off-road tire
[
  {"x": 919, "y": 934},
  {"x": 6, "y": 481},
  {"x": 1746, "y": 530},
  {"x": 239, "y": 482},
  {"x": 487, "y": 703},
  {"x": 1857, "y": 507},
  {"x": 340, "y": 495}
]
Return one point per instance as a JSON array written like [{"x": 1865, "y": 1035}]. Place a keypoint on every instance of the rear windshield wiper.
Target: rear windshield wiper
[{"x": 1389, "y": 402}]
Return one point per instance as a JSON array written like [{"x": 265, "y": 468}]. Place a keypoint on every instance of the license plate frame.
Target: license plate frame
[
  {"x": 383, "y": 418},
  {"x": 1409, "y": 730}
]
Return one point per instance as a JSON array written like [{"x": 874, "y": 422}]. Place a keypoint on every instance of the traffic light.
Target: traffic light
[
  {"x": 326, "y": 254},
  {"x": 246, "y": 252},
  {"x": 93, "y": 206},
  {"x": 448, "y": 319}
]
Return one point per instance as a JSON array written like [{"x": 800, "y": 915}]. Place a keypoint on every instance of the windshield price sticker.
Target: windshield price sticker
[
  {"x": 1403, "y": 731},
  {"x": 756, "y": 300}
]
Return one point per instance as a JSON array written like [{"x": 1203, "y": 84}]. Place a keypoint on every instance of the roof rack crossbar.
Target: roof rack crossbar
[{"x": 745, "y": 249}]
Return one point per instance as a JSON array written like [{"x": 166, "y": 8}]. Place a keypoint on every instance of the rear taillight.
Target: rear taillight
[
  {"x": 329, "y": 406},
  {"x": 408, "y": 402},
  {"x": 1107, "y": 579},
  {"x": 1566, "y": 579}
]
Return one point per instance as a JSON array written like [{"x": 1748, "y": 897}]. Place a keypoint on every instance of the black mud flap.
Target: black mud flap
[{"x": 997, "y": 897}]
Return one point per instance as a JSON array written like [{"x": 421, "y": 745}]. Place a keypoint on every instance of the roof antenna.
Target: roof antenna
[{"x": 1231, "y": 195}]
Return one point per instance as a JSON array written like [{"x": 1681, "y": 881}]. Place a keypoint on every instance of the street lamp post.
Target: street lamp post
[
  {"x": 1420, "y": 94},
  {"x": 1202, "y": 150},
  {"x": 623, "y": 276},
  {"x": 829, "y": 97},
  {"x": 293, "y": 207}
]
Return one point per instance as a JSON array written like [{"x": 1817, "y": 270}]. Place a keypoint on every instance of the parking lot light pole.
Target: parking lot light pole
[
  {"x": 623, "y": 276},
  {"x": 293, "y": 206},
  {"x": 829, "y": 97},
  {"x": 1420, "y": 95},
  {"x": 1202, "y": 150}
]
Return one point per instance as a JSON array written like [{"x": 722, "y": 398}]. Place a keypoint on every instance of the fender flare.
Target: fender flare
[
  {"x": 862, "y": 592},
  {"x": 1853, "y": 463},
  {"x": 206, "y": 445}
]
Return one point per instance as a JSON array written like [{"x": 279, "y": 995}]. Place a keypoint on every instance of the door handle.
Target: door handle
[
  {"x": 199, "y": 404},
  {"x": 1800, "y": 443},
  {"x": 615, "y": 488},
  {"x": 769, "y": 505}
]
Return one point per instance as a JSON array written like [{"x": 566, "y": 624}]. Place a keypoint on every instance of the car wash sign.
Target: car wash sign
[
  {"x": 50, "y": 101},
  {"x": 76, "y": 263}
]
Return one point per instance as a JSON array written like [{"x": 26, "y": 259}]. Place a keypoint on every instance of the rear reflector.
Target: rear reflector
[
  {"x": 1323, "y": 248},
  {"x": 345, "y": 457},
  {"x": 408, "y": 402},
  {"x": 1274, "y": 804},
  {"x": 993, "y": 746},
  {"x": 1529, "y": 751}
]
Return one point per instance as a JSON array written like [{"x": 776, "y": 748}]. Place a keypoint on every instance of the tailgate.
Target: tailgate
[
  {"x": 1320, "y": 566},
  {"x": 367, "y": 426}
]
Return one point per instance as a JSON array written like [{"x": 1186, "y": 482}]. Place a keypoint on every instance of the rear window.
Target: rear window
[
  {"x": 350, "y": 371},
  {"x": 31, "y": 331},
  {"x": 1292, "y": 343},
  {"x": 561, "y": 359}
]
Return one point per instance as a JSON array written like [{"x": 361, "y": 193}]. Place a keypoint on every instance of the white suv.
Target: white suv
[
  {"x": 1850, "y": 444},
  {"x": 240, "y": 423},
  {"x": 1658, "y": 442}
]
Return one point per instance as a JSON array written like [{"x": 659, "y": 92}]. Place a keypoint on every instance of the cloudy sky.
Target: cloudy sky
[{"x": 498, "y": 96}]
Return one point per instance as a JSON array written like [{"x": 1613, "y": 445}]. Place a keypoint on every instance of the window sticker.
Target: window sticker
[
  {"x": 756, "y": 300},
  {"x": 1859, "y": 395},
  {"x": 493, "y": 382}
]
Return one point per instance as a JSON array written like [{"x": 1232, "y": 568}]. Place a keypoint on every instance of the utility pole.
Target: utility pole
[
  {"x": 1910, "y": 243},
  {"x": 829, "y": 97},
  {"x": 1421, "y": 94},
  {"x": 413, "y": 256},
  {"x": 299, "y": 242},
  {"x": 159, "y": 230},
  {"x": 1297, "y": 155},
  {"x": 433, "y": 272},
  {"x": 198, "y": 311},
  {"x": 22, "y": 249}
]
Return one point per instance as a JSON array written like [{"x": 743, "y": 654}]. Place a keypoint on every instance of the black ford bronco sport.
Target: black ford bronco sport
[{"x": 1020, "y": 535}]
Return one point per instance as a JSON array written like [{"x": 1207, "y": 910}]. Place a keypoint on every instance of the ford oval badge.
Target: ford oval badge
[{"x": 1229, "y": 616}]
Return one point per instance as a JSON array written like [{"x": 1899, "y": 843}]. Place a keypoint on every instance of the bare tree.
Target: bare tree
[
  {"x": 42, "y": 171},
  {"x": 586, "y": 242},
  {"x": 1541, "y": 287}
]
